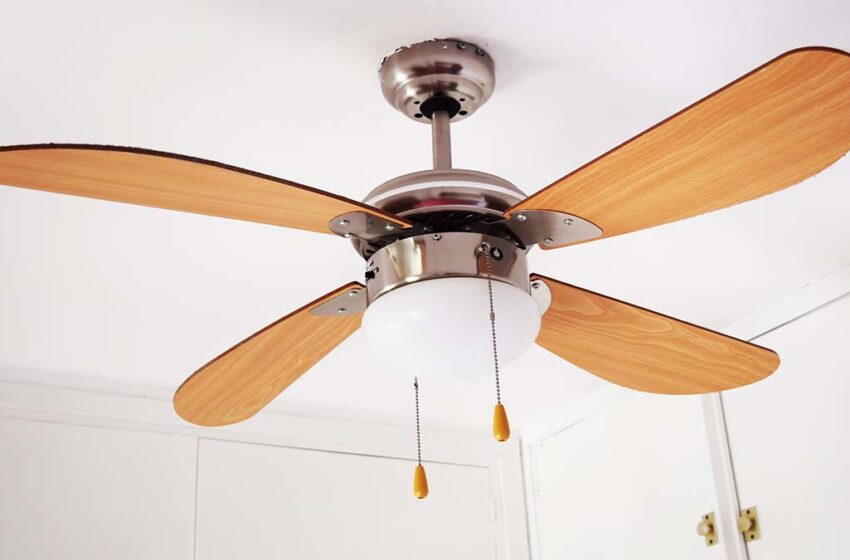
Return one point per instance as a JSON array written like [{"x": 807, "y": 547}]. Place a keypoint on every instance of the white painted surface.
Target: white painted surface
[
  {"x": 145, "y": 296},
  {"x": 468, "y": 474},
  {"x": 270, "y": 502},
  {"x": 789, "y": 437},
  {"x": 630, "y": 481},
  {"x": 84, "y": 493}
]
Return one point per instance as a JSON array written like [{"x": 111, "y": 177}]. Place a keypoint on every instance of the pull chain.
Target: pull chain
[
  {"x": 418, "y": 431},
  {"x": 420, "y": 481},
  {"x": 501, "y": 426},
  {"x": 488, "y": 269}
]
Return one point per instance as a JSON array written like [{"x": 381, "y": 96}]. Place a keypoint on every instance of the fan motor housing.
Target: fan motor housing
[
  {"x": 445, "y": 255},
  {"x": 444, "y": 200}
]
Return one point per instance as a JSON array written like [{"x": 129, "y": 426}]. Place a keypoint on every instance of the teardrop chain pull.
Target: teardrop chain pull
[
  {"x": 501, "y": 426},
  {"x": 420, "y": 481}
]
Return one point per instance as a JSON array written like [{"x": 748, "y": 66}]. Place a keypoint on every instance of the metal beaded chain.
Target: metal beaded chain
[
  {"x": 487, "y": 268},
  {"x": 418, "y": 433}
]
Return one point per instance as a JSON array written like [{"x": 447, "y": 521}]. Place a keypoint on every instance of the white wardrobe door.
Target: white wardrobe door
[
  {"x": 259, "y": 501},
  {"x": 790, "y": 440},
  {"x": 631, "y": 481},
  {"x": 80, "y": 493}
]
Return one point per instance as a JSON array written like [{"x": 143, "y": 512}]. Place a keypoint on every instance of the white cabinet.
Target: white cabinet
[
  {"x": 82, "y": 493},
  {"x": 257, "y": 501},
  {"x": 790, "y": 438},
  {"x": 96, "y": 476},
  {"x": 630, "y": 481}
]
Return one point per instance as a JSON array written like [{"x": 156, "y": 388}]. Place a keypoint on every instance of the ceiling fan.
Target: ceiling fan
[{"x": 432, "y": 239}]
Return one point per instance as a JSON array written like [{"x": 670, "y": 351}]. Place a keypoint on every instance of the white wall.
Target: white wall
[{"x": 87, "y": 475}]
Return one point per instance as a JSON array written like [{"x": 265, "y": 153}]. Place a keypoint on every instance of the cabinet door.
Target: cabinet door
[
  {"x": 789, "y": 436},
  {"x": 80, "y": 493},
  {"x": 630, "y": 481},
  {"x": 260, "y": 501}
]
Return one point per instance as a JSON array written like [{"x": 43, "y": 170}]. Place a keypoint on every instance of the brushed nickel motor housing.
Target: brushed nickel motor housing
[
  {"x": 459, "y": 200},
  {"x": 445, "y": 189},
  {"x": 444, "y": 200},
  {"x": 444, "y": 255},
  {"x": 455, "y": 70}
]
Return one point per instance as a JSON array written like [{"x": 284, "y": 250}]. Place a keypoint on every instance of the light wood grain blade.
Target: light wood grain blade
[
  {"x": 771, "y": 129},
  {"x": 239, "y": 383},
  {"x": 644, "y": 350},
  {"x": 174, "y": 182}
]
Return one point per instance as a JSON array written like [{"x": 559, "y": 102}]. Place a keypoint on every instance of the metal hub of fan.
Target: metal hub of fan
[{"x": 772, "y": 128}]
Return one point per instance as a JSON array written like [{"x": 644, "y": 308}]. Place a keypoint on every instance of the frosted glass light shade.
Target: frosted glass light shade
[{"x": 441, "y": 328}]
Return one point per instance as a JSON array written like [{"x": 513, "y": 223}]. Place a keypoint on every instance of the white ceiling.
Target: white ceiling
[{"x": 102, "y": 294}]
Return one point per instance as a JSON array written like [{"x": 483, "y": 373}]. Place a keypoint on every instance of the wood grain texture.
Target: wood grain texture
[
  {"x": 174, "y": 182},
  {"x": 239, "y": 383},
  {"x": 771, "y": 129},
  {"x": 644, "y": 350}
]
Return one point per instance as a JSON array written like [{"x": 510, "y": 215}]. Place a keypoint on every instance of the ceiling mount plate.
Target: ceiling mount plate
[{"x": 459, "y": 74}]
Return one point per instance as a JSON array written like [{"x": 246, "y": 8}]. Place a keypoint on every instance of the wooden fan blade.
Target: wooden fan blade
[
  {"x": 174, "y": 182},
  {"x": 770, "y": 129},
  {"x": 644, "y": 350},
  {"x": 239, "y": 383}
]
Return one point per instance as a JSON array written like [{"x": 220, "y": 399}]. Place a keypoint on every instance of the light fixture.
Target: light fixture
[{"x": 440, "y": 328}]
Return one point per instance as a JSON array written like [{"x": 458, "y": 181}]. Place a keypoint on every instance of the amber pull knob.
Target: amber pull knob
[
  {"x": 420, "y": 482},
  {"x": 501, "y": 427},
  {"x": 704, "y": 529},
  {"x": 744, "y": 523}
]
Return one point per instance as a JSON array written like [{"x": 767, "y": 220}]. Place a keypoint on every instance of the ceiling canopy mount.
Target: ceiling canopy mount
[{"x": 439, "y": 75}]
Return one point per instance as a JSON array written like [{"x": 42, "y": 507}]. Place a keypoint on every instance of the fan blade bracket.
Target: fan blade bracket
[
  {"x": 363, "y": 225},
  {"x": 549, "y": 228},
  {"x": 541, "y": 293},
  {"x": 351, "y": 302}
]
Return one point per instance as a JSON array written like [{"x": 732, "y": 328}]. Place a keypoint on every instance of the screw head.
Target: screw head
[
  {"x": 548, "y": 241},
  {"x": 353, "y": 293},
  {"x": 535, "y": 285},
  {"x": 568, "y": 221},
  {"x": 344, "y": 222},
  {"x": 437, "y": 237},
  {"x": 348, "y": 235},
  {"x": 521, "y": 217},
  {"x": 461, "y": 46},
  {"x": 389, "y": 227},
  {"x": 341, "y": 310}
]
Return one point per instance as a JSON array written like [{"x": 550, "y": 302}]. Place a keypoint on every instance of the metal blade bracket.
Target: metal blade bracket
[
  {"x": 550, "y": 229},
  {"x": 352, "y": 302},
  {"x": 542, "y": 294},
  {"x": 362, "y": 225}
]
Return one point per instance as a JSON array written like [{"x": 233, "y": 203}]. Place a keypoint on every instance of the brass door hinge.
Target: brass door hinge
[
  {"x": 707, "y": 530},
  {"x": 748, "y": 524}
]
